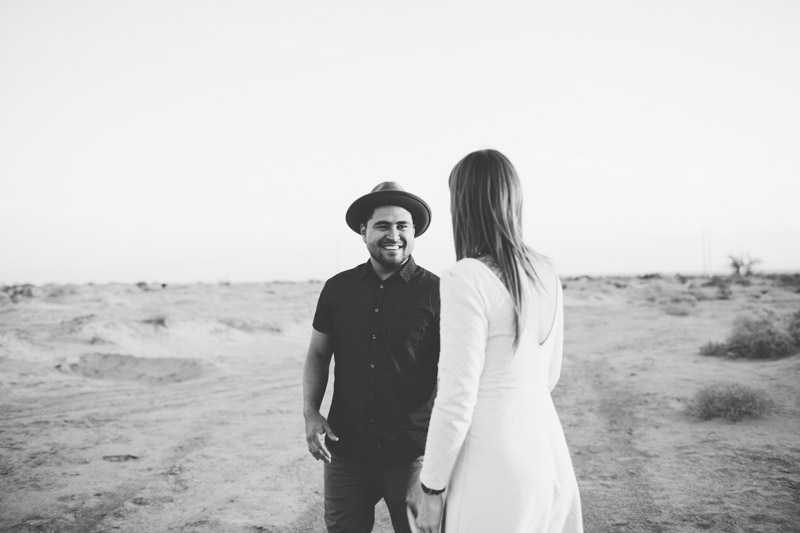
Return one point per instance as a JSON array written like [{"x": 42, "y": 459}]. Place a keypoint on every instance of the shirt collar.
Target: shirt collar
[{"x": 405, "y": 273}]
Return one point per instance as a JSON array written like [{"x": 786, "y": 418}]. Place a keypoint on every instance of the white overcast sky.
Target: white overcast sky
[{"x": 184, "y": 141}]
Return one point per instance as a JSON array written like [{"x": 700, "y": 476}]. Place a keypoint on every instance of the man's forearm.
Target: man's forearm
[{"x": 315, "y": 379}]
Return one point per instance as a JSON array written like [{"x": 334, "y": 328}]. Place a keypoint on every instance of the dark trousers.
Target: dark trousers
[{"x": 353, "y": 490}]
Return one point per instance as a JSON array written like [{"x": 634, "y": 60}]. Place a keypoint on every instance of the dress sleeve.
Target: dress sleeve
[
  {"x": 464, "y": 333},
  {"x": 558, "y": 341}
]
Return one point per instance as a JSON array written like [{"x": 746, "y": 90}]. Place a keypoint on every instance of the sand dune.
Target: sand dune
[{"x": 148, "y": 409}]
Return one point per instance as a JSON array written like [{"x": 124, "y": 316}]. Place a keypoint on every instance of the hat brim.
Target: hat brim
[{"x": 364, "y": 206}]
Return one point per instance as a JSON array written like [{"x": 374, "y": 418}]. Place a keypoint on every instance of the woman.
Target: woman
[{"x": 495, "y": 442}]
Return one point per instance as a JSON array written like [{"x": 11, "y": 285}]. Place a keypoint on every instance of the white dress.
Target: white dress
[{"x": 495, "y": 440}]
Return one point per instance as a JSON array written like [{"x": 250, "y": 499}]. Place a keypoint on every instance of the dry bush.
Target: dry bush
[
  {"x": 156, "y": 321},
  {"x": 793, "y": 328},
  {"x": 731, "y": 401},
  {"x": 715, "y": 281},
  {"x": 16, "y": 292},
  {"x": 787, "y": 281},
  {"x": 653, "y": 275},
  {"x": 723, "y": 286},
  {"x": 759, "y": 339},
  {"x": 700, "y": 296},
  {"x": 716, "y": 349},
  {"x": 676, "y": 310},
  {"x": 724, "y": 292}
]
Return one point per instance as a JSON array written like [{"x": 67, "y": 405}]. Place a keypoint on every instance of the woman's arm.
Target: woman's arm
[{"x": 464, "y": 333}]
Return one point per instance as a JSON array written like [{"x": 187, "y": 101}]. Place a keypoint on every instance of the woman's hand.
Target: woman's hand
[{"x": 429, "y": 513}]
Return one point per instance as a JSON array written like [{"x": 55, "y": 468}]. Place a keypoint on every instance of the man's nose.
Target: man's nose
[{"x": 394, "y": 233}]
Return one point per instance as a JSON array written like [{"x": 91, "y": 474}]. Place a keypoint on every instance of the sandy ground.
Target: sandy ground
[{"x": 150, "y": 409}]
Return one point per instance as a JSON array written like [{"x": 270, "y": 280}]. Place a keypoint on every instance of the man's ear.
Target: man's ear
[{"x": 363, "y": 230}]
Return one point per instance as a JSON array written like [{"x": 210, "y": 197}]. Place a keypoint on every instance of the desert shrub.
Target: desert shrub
[
  {"x": 654, "y": 275},
  {"x": 788, "y": 281},
  {"x": 715, "y": 281},
  {"x": 156, "y": 321},
  {"x": 700, "y": 296},
  {"x": 793, "y": 328},
  {"x": 681, "y": 279},
  {"x": 723, "y": 286},
  {"x": 716, "y": 349},
  {"x": 17, "y": 292},
  {"x": 762, "y": 338},
  {"x": 758, "y": 339},
  {"x": 676, "y": 310},
  {"x": 724, "y": 292},
  {"x": 731, "y": 401}
]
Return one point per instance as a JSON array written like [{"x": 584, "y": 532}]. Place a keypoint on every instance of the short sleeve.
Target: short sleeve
[{"x": 323, "y": 321}]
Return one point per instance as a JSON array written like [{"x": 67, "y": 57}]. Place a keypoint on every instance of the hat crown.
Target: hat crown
[
  {"x": 389, "y": 193},
  {"x": 388, "y": 186}
]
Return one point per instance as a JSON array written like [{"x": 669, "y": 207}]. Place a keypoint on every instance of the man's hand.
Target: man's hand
[{"x": 316, "y": 429}]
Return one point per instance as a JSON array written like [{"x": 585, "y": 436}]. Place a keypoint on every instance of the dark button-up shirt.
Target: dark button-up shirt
[{"x": 386, "y": 350}]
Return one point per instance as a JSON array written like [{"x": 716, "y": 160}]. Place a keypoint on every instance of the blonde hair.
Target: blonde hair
[{"x": 486, "y": 207}]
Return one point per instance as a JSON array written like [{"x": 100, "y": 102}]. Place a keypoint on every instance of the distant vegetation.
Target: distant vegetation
[
  {"x": 743, "y": 264},
  {"x": 17, "y": 292},
  {"x": 788, "y": 281},
  {"x": 157, "y": 321},
  {"x": 653, "y": 275},
  {"x": 762, "y": 338},
  {"x": 731, "y": 401}
]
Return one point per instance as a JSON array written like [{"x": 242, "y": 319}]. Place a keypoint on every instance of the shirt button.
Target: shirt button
[
  {"x": 381, "y": 286},
  {"x": 372, "y": 366},
  {"x": 376, "y": 309},
  {"x": 371, "y": 420},
  {"x": 374, "y": 337}
]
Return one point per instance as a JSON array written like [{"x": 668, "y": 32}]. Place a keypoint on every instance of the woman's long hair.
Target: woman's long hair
[{"x": 486, "y": 207}]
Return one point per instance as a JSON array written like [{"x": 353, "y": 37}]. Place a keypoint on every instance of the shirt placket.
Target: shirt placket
[{"x": 372, "y": 381}]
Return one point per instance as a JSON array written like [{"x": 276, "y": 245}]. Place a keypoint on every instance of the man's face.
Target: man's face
[{"x": 389, "y": 236}]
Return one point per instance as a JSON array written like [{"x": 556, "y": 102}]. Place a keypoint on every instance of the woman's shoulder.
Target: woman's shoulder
[{"x": 471, "y": 268}]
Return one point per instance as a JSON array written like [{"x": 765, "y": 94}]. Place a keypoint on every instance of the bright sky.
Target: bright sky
[{"x": 183, "y": 141}]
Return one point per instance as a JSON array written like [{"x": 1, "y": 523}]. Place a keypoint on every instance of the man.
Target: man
[{"x": 380, "y": 322}]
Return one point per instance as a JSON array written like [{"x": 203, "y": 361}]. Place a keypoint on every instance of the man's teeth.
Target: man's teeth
[{"x": 391, "y": 247}]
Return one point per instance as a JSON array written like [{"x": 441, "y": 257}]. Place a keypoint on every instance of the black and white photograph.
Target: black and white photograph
[{"x": 437, "y": 267}]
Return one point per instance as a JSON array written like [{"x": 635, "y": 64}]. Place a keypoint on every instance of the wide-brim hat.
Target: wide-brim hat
[{"x": 389, "y": 193}]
